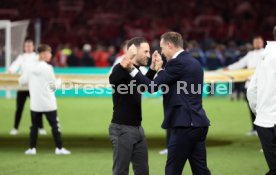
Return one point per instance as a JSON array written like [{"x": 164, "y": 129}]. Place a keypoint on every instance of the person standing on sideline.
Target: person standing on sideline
[
  {"x": 42, "y": 83},
  {"x": 262, "y": 100},
  {"x": 184, "y": 114},
  {"x": 249, "y": 61},
  {"x": 125, "y": 131},
  {"x": 21, "y": 64}
]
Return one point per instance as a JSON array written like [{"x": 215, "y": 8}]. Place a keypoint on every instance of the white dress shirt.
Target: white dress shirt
[
  {"x": 261, "y": 91},
  {"x": 42, "y": 83},
  {"x": 177, "y": 53}
]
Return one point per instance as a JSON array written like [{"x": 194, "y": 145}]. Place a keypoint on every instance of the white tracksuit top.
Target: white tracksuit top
[
  {"x": 42, "y": 82},
  {"x": 261, "y": 92}
]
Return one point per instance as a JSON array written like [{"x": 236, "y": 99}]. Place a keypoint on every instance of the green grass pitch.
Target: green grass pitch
[{"x": 84, "y": 125}]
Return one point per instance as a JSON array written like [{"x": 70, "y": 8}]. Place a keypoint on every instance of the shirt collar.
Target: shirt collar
[{"x": 177, "y": 53}]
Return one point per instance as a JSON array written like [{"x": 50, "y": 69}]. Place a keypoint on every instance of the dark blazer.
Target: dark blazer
[{"x": 182, "y": 106}]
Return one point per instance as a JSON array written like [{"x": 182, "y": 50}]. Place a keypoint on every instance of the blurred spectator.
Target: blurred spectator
[
  {"x": 121, "y": 53},
  {"x": 73, "y": 60},
  {"x": 61, "y": 56},
  {"x": 214, "y": 57},
  {"x": 197, "y": 52},
  {"x": 244, "y": 49},
  {"x": 250, "y": 60},
  {"x": 100, "y": 56},
  {"x": 112, "y": 55},
  {"x": 87, "y": 60},
  {"x": 231, "y": 53}
]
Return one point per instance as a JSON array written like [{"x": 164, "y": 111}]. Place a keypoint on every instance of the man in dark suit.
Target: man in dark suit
[{"x": 182, "y": 79}]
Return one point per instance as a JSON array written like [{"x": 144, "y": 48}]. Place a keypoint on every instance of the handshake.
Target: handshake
[{"x": 131, "y": 55}]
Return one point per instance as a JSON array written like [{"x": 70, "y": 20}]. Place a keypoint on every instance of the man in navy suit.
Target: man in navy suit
[{"x": 182, "y": 79}]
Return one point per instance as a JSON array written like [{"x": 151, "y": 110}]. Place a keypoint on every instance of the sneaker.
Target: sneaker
[
  {"x": 62, "y": 151},
  {"x": 42, "y": 131},
  {"x": 14, "y": 132},
  {"x": 163, "y": 152},
  {"x": 252, "y": 133},
  {"x": 31, "y": 151}
]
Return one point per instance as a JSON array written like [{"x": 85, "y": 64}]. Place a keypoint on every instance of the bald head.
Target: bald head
[{"x": 274, "y": 33}]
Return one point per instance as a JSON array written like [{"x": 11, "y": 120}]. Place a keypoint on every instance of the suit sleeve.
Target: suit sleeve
[
  {"x": 168, "y": 76},
  {"x": 117, "y": 75},
  {"x": 150, "y": 74}
]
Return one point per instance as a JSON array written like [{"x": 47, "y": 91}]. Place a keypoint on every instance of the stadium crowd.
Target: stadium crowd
[
  {"x": 106, "y": 24},
  {"x": 210, "y": 55}
]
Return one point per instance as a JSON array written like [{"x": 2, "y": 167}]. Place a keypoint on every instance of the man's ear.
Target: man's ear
[{"x": 170, "y": 45}]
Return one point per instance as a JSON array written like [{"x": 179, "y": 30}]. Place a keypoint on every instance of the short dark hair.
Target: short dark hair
[
  {"x": 28, "y": 41},
  {"x": 258, "y": 37},
  {"x": 44, "y": 48},
  {"x": 174, "y": 38},
  {"x": 137, "y": 41}
]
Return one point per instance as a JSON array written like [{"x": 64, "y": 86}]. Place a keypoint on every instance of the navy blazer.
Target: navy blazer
[{"x": 183, "y": 102}]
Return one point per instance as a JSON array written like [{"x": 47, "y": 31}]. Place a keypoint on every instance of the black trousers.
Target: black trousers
[
  {"x": 21, "y": 98},
  {"x": 268, "y": 140},
  {"x": 187, "y": 143},
  {"x": 239, "y": 88},
  {"x": 54, "y": 123}
]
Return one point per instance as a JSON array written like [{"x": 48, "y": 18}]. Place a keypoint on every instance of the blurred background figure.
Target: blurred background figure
[
  {"x": 21, "y": 64},
  {"x": 60, "y": 59},
  {"x": 250, "y": 60},
  {"x": 87, "y": 60},
  {"x": 197, "y": 52},
  {"x": 100, "y": 56},
  {"x": 74, "y": 59},
  {"x": 214, "y": 57},
  {"x": 112, "y": 55}
]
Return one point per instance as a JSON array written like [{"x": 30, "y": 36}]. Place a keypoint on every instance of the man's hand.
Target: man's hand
[
  {"x": 131, "y": 52},
  {"x": 153, "y": 60},
  {"x": 156, "y": 63},
  {"x": 127, "y": 62}
]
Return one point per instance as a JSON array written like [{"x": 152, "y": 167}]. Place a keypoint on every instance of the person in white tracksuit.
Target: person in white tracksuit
[
  {"x": 42, "y": 83},
  {"x": 249, "y": 61},
  {"x": 262, "y": 100},
  {"x": 22, "y": 63}
]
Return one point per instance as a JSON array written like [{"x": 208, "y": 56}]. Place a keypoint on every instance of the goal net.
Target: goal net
[{"x": 12, "y": 36}]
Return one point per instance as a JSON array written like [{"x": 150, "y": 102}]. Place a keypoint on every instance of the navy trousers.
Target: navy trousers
[{"x": 187, "y": 143}]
